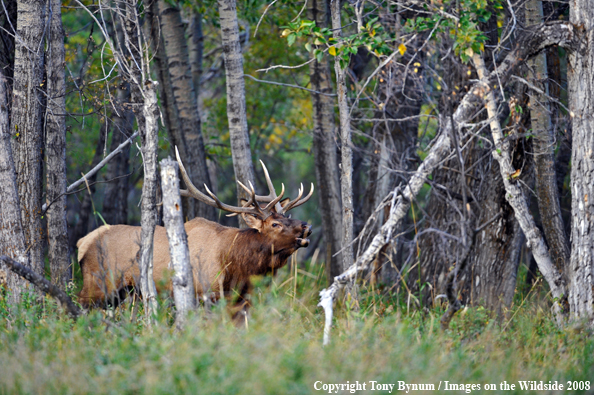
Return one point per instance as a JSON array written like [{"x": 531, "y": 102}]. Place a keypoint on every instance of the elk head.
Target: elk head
[{"x": 264, "y": 213}]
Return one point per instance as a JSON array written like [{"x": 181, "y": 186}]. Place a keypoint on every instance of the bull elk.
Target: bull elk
[{"x": 220, "y": 256}]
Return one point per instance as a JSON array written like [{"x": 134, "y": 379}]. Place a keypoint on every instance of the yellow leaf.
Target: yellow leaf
[
  {"x": 285, "y": 33},
  {"x": 372, "y": 33},
  {"x": 402, "y": 49},
  {"x": 416, "y": 70},
  {"x": 469, "y": 51},
  {"x": 469, "y": 72},
  {"x": 417, "y": 64},
  {"x": 499, "y": 23},
  {"x": 332, "y": 50}
]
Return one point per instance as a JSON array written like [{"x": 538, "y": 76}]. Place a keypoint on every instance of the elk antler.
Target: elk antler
[
  {"x": 298, "y": 201},
  {"x": 251, "y": 207}
]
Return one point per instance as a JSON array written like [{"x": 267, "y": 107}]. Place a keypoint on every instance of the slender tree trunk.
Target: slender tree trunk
[
  {"x": 149, "y": 190},
  {"x": 186, "y": 101},
  {"x": 346, "y": 152},
  {"x": 236, "y": 112},
  {"x": 183, "y": 280},
  {"x": 544, "y": 149},
  {"x": 115, "y": 201},
  {"x": 581, "y": 104},
  {"x": 27, "y": 123},
  {"x": 12, "y": 240},
  {"x": 196, "y": 48},
  {"x": 144, "y": 99},
  {"x": 324, "y": 148},
  {"x": 57, "y": 228}
]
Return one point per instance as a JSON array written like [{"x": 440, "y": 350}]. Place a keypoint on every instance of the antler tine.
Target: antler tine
[
  {"x": 298, "y": 201},
  {"x": 276, "y": 200},
  {"x": 272, "y": 192}
]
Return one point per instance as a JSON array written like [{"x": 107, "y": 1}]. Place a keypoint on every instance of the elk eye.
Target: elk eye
[{"x": 275, "y": 225}]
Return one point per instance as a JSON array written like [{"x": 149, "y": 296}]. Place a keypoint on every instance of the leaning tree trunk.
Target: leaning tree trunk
[
  {"x": 190, "y": 142},
  {"x": 12, "y": 240},
  {"x": 346, "y": 152},
  {"x": 544, "y": 152},
  {"x": 57, "y": 230},
  {"x": 236, "y": 112},
  {"x": 324, "y": 149},
  {"x": 581, "y": 104},
  {"x": 27, "y": 123}
]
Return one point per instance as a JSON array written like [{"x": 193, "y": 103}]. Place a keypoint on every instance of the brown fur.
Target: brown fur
[{"x": 218, "y": 255}]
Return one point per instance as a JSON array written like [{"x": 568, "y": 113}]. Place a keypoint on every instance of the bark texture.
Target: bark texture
[
  {"x": 516, "y": 199},
  {"x": 544, "y": 152},
  {"x": 190, "y": 142},
  {"x": 324, "y": 148},
  {"x": 55, "y": 151},
  {"x": 183, "y": 280},
  {"x": 346, "y": 151},
  {"x": 581, "y": 104},
  {"x": 27, "y": 122},
  {"x": 12, "y": 240},
  {"x": 236, "y": 112}
]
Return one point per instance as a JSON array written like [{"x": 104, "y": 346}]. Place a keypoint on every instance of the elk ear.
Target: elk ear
[{"x": 252, "y": 221}]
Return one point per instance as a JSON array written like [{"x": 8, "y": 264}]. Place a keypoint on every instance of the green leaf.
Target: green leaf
[
  {"x": 291, "y": 39},
  {"x": 308, "y": 47}
]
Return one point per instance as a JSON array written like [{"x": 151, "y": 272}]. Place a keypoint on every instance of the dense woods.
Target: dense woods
[{"x": 449, "y": 141}]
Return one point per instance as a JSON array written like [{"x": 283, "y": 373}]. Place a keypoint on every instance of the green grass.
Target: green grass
[{"x": 280, "y": 352}]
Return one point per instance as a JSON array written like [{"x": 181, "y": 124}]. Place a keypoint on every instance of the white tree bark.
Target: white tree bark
[
  {"x": 346, "y": 152},
  {"x": 183, "y": 280},
  {"x": 236, "y": 112},
  {"x": 149, "y": 210},
  {"x": 581, "y": 104}
]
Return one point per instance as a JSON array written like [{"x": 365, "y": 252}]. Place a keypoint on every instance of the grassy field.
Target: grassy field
[{"x": 280, "y": 352}]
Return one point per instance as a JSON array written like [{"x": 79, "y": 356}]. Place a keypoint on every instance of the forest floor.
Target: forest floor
[{"x": 383, "y": 341}]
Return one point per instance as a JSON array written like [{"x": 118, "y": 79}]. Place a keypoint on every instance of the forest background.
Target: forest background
[{"x": 449, "y": 142}]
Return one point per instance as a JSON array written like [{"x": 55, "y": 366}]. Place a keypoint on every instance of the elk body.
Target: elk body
[{"x": 222, "y": 258}]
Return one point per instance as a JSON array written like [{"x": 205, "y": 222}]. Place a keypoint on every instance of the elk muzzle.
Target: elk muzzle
[{"x": 303, "y": 241}]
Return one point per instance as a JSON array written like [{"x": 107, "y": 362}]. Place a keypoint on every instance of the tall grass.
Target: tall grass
[{"x": 280, "y": 351}]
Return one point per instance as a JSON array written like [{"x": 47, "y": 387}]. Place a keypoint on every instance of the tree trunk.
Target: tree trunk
[
  {"x": 517, "y": 200},
  {"x": 183, "y": 279},
  {"x": 144, "y": 99},
  {"x": 27, "y": 123},
  {"x": 115, "y": 200},
  {"x": 581, "y": 104},
  {"x": 324, "y": 149},
  {"x": 186, "y": 102},
  {"x": 196, "y": 48},
  {"x": 346, "y": 152},
  {"x": 12, "y": 240},
  {"x": 236, "y": 112},
  {"x": 57, "y": 230},
  {"x": 544, "y": 152}
]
